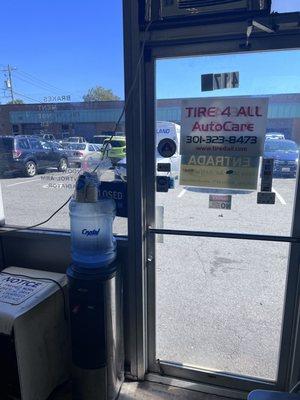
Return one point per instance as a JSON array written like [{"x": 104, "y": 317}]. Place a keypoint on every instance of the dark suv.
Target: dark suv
[{"x": 30, "y": 155}]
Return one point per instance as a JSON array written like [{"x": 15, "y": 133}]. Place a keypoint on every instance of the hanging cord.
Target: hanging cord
[
  {"x": 107, "y": 143},
  {"x": 128, "y": 97},
  {"x": 40, "y": 223}
]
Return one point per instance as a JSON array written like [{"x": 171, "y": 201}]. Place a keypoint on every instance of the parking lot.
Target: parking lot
[
  {"x": 28, "y": 201},
  {"x": 225, "y": 296}
]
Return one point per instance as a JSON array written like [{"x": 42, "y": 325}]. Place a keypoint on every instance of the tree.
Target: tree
[
  {"x": 16, "y": 101},
  {"x": 98, "y": 93}
]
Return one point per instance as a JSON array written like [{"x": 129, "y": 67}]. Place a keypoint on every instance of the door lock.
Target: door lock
[{"x": 150, "y": 259}]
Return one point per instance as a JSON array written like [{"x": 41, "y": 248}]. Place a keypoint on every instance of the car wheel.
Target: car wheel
[
  {"x": 30, "y": 168},
  {"x": 63, "y": 165}
]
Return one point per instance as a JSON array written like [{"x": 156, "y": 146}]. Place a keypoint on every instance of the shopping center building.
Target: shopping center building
[{"x": 90, "y": 118}]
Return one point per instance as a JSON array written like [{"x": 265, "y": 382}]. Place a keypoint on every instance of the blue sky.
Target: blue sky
[
  {"x": 75, "y": 45},
  {"x": 260, "y": 73}
]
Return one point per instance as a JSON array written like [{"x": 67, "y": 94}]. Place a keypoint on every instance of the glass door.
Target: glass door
[{"x": 222, "y": 277}]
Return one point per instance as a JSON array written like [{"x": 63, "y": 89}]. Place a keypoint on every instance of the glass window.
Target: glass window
[
  {"x": 23, "y": 144},
  {"x": 74, "y": 139},
  {"x": 225, "y": 297},
  {"x": 225, "y": 300},
  {"x": 76, "y": 146},
  {"x": 46, "y": 145},
  {"x": 280, "y": 145},
  {"x": 57, "y": 146},
  {"x": 285, "y": 6},
  {"x": 35, "y": 144},
  {"x": 115, "y": 143},
  {"x": 100, "y": 139},
  {"x": 66, "y": 104},
  {"x": 178, "y": 80},
  {"x": 91, "y": 148}
]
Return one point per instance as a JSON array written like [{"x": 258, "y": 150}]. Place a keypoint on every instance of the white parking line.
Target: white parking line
[
  {"x": 22, "y": 183},
  {"x": 280, "y": 198},
  {"x": 181, "y": 193}
]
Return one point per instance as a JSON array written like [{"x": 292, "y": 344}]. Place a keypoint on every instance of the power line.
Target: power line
[
  {"x": 30, "y": 79},
  {"x": 34, "y": 82},
  {"x": 36, "y": 85},
  {"x": 38, "y": 79},
  {"x": 27, "y": 97}
]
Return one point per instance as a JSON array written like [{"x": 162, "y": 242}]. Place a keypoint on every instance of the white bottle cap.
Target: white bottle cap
[{"x": 87, "y": 188}]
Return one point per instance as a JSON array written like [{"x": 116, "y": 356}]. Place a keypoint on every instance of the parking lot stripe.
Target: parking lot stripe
[
  {"x": 182, "y": 193},
  {"x": 23, "y": 182},
  {"x": 280, "y": 198}
]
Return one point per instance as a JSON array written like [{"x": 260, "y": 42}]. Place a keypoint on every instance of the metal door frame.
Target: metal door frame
[{"x": 176, "y": 41}]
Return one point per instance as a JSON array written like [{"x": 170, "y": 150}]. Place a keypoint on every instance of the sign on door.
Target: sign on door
[{"x": 222, "y": 140}]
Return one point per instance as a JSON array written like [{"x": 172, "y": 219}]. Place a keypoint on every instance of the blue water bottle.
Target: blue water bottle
[{"x": 92, "y": 242}]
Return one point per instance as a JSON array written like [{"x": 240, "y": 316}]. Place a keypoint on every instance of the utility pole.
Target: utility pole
[{"x": 8, "y": 82}]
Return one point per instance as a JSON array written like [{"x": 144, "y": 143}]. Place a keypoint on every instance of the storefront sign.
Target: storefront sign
[
  {"x": 221, "y": 142},
  {"x": 57, "y": 99}
]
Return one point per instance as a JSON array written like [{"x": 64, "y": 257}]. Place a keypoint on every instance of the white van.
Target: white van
[
  {"x": 169, "y": 130},
  {"x": 164, "y": 130},
  {"x": 275, "y": 135}
]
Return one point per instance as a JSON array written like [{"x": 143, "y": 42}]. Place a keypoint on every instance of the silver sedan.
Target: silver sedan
[{"x": 79, "y": 152}]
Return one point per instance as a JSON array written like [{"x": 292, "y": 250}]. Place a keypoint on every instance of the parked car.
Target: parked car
[
  {"x": 115, "y": 148},
  {"x": 97, "y": 146},
  {"x": 99, "y": 139},
  {"x": 29, "y": 155},
  {"x": 275, "y": 135},
  {"x": 58, "y": 146},
  {"x": 48, "y": 136},
  {"x": 174, "y": 161},
  {"x": 78, "y": 152},
  {"x": 121, "y": 170},
  {"x": 76, "y": 139},
  {"x": 285, "y": 154}
]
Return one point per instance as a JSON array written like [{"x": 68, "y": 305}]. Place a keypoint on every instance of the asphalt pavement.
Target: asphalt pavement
[
  {"x": 28, "y": 201},
  {"x": 225, "y": 297}
]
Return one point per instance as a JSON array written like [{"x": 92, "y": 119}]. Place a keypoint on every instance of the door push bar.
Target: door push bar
[{"x": 226, "y": 235}]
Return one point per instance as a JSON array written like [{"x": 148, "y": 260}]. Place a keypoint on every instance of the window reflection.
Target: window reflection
[{"x": 63, "y": 93}]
